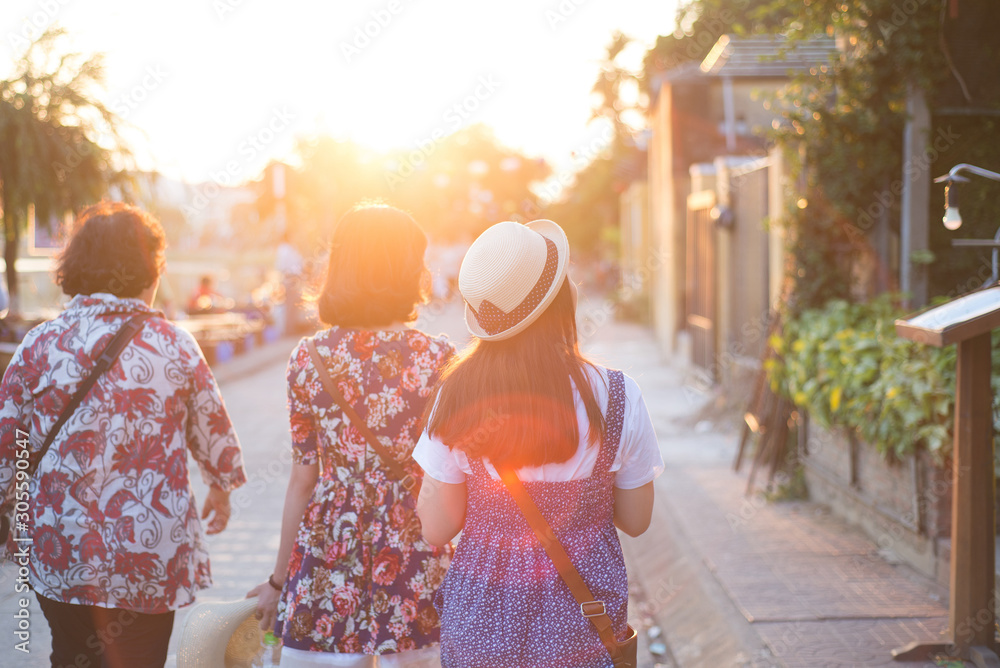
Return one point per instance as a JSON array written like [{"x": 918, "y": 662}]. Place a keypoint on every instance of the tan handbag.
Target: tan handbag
[{"x": 624, "y": 653}]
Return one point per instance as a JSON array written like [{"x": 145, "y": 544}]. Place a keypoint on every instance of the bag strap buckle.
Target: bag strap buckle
[
  {"x": 593, "y": 609},
  {"x": 409, "y": 482}
]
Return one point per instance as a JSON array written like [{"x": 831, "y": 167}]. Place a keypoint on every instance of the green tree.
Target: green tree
[
  {"x": 588, "y": 209},
  {"x": 613, "y": 84},
  {"x": 60, "y": 146},
  {"x": 700, "y": 24},
  {"x": 847, "y": 120}
]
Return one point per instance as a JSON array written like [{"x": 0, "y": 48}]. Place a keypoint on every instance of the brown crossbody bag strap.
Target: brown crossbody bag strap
[
  {"x": 589, "y": 608},
  {"x": 408, "y": 482}
]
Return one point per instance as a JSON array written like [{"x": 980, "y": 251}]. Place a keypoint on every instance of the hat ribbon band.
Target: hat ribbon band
[{"x": 493, "y": 320}]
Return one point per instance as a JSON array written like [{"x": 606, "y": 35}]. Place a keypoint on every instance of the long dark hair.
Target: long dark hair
[{"x": 512, "y": 400}]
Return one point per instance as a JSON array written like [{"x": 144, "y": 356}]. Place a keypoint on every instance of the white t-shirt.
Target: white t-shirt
[{"x": 637, "y": 462}]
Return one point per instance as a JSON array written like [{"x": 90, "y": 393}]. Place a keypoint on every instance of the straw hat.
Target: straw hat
[
  {"x": 510, "y": 275},
  {"x": 218, "y": 634}
]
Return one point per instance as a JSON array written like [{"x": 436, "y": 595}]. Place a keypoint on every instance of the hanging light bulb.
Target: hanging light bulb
[{"x": 952, "y": 218}]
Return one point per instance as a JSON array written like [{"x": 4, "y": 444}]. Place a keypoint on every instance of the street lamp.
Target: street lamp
[{"x": 953, "y": 219}]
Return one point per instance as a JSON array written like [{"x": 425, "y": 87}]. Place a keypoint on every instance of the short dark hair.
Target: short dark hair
[
  {"x": 375, "y": 274},
  {"x": 114, "y": 248}
]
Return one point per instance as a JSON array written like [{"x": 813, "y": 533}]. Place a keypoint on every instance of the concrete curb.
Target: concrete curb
[{"x": 255, "y": 360}]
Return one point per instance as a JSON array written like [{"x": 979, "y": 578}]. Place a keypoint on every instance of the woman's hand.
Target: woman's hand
[
  {"x": 267, "y": 605},
  {"x": 216, "y": 502}
]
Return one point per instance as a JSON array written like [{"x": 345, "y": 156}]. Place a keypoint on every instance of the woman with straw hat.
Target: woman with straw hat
[
  {"x": 354, "y": 580},
  {"x": 523, "y": 423}
]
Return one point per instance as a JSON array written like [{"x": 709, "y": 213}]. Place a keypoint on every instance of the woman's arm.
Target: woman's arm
[
  {"x": 634, "y": 509},
  {"x": 211, "y": 438},
  {"x": 301, "y": 484},
  {"x": 441, "y": 509}
]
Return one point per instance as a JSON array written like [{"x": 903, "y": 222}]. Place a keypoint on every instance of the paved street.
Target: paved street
[{"x": 728, "y": 581}]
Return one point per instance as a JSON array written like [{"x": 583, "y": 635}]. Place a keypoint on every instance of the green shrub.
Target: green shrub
[{"x": 845, "y": 364}]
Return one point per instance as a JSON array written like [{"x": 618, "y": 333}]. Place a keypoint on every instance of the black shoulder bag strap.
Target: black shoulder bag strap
[
  {"x": 108, "y": 356},
  {"x": 408, "y": 482}
]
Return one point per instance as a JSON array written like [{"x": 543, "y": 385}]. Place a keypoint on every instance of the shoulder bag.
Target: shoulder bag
[
  {"x": 108, "y": 356},
  {"x": 623, "y": 654},
  {"x": 408, "y": 482}
]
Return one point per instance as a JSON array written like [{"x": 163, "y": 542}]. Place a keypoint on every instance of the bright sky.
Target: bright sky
[{"x": 211, "y": 82}]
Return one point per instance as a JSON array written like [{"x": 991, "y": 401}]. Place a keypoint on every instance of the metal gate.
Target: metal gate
[{"x": 701, "y": 289}]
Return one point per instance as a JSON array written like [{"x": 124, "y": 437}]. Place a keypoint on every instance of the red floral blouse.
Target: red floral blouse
[{"x": 111, "y": 515}]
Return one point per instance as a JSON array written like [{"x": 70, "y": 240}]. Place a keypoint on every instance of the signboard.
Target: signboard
[{"x": 963, "y": 318}]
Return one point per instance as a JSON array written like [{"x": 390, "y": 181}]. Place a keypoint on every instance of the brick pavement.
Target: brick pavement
[{"x": 728, "y": 581}]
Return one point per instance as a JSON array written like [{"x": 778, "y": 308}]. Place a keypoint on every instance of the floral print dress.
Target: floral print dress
[{"x": 361, "y": 579}]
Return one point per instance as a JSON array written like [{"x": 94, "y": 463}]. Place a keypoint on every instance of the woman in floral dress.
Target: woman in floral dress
[{"x": 354, "y": 580}]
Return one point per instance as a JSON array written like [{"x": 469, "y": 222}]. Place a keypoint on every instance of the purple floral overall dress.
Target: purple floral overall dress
[{"x": 503, "y": 603}]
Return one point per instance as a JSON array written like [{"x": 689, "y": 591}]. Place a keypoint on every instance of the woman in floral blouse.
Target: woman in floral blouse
[
  {"x": 116, "y": 544},
  {"x": 354, "y": 577}
]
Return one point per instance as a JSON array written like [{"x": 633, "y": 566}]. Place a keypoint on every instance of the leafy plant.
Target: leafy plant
[
  {"x": 60, "y": 146},
  {"x": 845, "y": 364}
]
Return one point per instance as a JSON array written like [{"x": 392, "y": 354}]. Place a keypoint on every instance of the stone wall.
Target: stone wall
[{"x": 904, "y": 506}]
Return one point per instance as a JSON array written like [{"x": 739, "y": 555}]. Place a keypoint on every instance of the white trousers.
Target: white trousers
[{"x": 428, "y": 657}]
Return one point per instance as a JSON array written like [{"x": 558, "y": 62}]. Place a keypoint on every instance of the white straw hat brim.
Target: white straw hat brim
[
  {"x": 554, "y": 233},
  {"x": 217, "y": 634}
]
